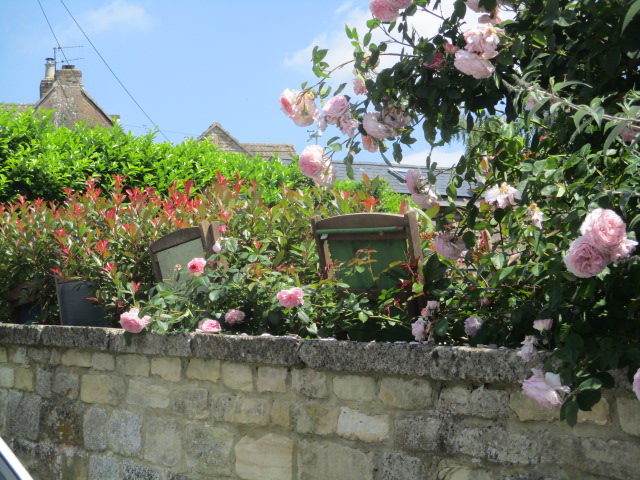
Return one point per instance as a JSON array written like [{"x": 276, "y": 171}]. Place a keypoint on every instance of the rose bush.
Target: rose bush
[{"x": 545, "y": 94}]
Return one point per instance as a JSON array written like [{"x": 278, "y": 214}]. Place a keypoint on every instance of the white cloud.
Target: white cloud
[
  {"x": 117, "y": 15},
  {"x": 442, "y": 157}
]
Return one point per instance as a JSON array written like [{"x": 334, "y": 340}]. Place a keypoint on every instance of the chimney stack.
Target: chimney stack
[
  {"x": 68, "y": 75},
  {"x": 49, "y": 76}
]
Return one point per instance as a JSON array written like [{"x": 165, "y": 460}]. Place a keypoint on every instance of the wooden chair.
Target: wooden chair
[
  {"x": 391, "y": 239},
  {"x": 181, "y": 246}
]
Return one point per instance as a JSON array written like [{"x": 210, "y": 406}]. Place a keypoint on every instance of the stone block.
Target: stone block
[
  {"x": 495, "y": 443},
  {"x": 267, "y": 458},
  {"x": 44, "y": 380},
  {"x": 208, "y": 449},
  {"x": 39, "y": 355},
  {"x": 107, "y": 389},
  {"x": 629, "y": 414},
  {"x": 529, "y": 410},
  {"x": 24, "y": 415},
  {"x": 3, "y": 355},
  {"x": 203, "y": 369},
  {"x": 103, "y": 361},
  {"x": 408, "y": 394},
  {"x": 419, "y": 432},
  {"x": 3, "y": 408},
  {"x": 147, "y": 395},
  {"x": 599, "y": 414},
  {"x": 76, "y": 358},
  {"x": 124, "y": 433},
  {"x": 19, "y": 356},
  {"x": 163, "y": 441},
  {"x": 168, "y": 368},
  {"x": 61, "y": 423},
  {"x": 56, "y": 357},
  {"x": 66, "y": 383},
  {"x": 473, "y": 401},
  {"x": 281, "y": 414},
  {"x": 169, "y": 345},
  {"x": 315, "y": 418},
  {"x": 237, "y": 376},
  {"x": 7, "y": 377},
  {"x": 332, "y": 461},
  {"x": 272, "y": 379},
  {"x": 246, "y": 349},
  {"x": 132, "y": 471},
  {"x": 133, "y": 365},
  {"x": 310, "y": 383},
  {"x": 354, "y": 387},
  {"x": 104, "y": 468},
  {"x": 190, "y": 402},
  {"x": 614, "y": 459},
  {"x": 239, "y": 409},
  {"x": 94, "y": 429},
  {"x": 25, "y": 379},
  {"x": 399, "y": 466},
  {"x": 452, "y": 471},
  {"x": 355, "y": 425}
]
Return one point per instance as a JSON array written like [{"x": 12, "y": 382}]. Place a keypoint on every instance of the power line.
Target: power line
[{"x": 112, "y": 72}]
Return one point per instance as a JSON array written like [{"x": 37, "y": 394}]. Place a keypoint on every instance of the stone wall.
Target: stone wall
[{"x": 80, "y": 403}]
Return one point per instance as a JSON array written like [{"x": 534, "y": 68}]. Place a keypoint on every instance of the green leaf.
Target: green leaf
[
  {"x": 569, "y": 412},
  {"x": 632, "y": 12},
  {"x": 588, "y": 398},
  {"x": 590, "y": 384}
]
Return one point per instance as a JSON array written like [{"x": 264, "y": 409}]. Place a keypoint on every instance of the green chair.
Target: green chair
[
  {"x": 182, "y": 246},
  {"x": 388, "y": 241}
]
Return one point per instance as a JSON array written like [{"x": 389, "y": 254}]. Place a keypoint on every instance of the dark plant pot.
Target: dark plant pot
[
  {"x": 76, "y": 308},
  {"x": 24, "y": 307}
]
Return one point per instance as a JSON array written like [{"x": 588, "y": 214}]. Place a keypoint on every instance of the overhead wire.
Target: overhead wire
[{"x": 110, "y": 69}]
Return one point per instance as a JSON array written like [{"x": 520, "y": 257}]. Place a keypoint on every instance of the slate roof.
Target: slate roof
[{"x": 395, "y": 175}]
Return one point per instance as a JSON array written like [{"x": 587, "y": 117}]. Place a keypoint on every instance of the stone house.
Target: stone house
[{"x": 62, "y": 91}]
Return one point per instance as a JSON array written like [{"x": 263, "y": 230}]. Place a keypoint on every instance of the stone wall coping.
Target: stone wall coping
[{"x": 482, "y": 365}]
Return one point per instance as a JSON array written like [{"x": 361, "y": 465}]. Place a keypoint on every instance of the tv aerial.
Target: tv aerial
[{"x": 66, "y": 60}]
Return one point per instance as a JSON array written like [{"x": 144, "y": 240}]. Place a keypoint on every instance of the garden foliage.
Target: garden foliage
[{"x": 548, "y": 95}]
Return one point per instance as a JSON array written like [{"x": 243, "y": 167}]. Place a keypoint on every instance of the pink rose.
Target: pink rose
[
  {"x": 636, "y": 384},
  {"x": 502, "y": 196},
  {"x": 383, "y": 10},
  {"x": 336, "y": 108},
  {"x": 132, "y": 323},
  {"x": 475, "y": 6},
  {"x": 536, "y": 215},
  {"x": 425, "y": 201},
  {"x": 605, "y": 227},
  {"x": 395, "y": 117},
  {"x": 375, "y": 126},
  {"x": 450, "y": 48},
  {"x": 299, "y": 107},
  {"x": 473, "y": 64},
  {"x": 483, "y": 39},
  {"x": 484, "y": 301},
  {"x": 623, "y": 250},
  {"x": 544, "y": 388},
  {"x": 234, "y": 317},
  {"x": 315, "y": 164},
  {"x": 208, "y": 325},
  {"x": 528, "y": 347},
  {"x": 543, "y": 324},
  {"x": 447, "y": 247},
  {"x": 217, "y": 247},
  {"x": 291, "y": 298},
  {"x": 418, "y": 329},
  {"x": 432, "y": 306},
  {"x": 348, "y": 126},
  {"x": 414, "y": 181},
  {"x": 359, "y": 87},
  {"x": 584, "y": 259},
  {"x": 369, "y": 144},
  {"x": 472, "y": 325},
  {"x": 628, "y": 134},
  {"x": 400, "y": 4},
  {"x": 196, "y": 266},
  {"x": 437, "y": 63}
]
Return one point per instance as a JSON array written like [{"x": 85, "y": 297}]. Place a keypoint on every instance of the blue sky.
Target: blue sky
[{"x": 189, "y": 63}]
